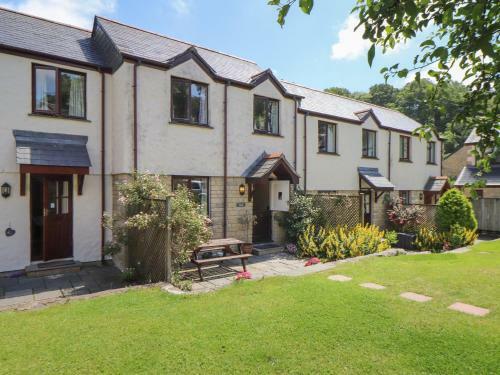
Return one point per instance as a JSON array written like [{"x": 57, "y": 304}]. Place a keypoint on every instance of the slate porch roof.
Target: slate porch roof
[
  {"x": 436, "y": 184},
  {"x": 26, "y": 33},
  {"x": 267, "y": 164},
  {"x": 51, "y": 149},
  {"x": 469, "y": 176},
  {"x": 373, "y": 178}
]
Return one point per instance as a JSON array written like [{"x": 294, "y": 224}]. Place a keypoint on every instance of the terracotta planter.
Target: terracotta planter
[
  {"x": 406, "y": 241},
  {"x": 247, "y": 248}
]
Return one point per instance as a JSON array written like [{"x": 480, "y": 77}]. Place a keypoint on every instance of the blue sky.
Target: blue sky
[{"x": 300, "y": 52}]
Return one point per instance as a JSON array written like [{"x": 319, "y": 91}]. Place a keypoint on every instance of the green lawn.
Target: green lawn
[{"x": 279, "y": 325}]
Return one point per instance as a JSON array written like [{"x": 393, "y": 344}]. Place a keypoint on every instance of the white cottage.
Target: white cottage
[{"x": 81, "y": 110}]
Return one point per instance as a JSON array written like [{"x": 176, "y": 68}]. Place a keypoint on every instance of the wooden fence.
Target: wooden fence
[{"x": 487, "y": 212}]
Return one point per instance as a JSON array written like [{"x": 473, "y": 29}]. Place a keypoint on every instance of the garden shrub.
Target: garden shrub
[
  {"x": 341, "y": 242},
  {"x": 429, "y": 239},
  {"x": 454, "y": 208},
  {"x": 436, "y": 242},
  {"x": 391, "y": 236},
  {"x": 405, "y": 218},
  {"x": 302, "y": 212}
]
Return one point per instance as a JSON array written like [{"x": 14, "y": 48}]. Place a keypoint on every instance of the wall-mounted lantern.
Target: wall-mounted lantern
[
  {"x": 5, "y": 190},
  {"x": 421, "y": 196},
  {"x": 242, "y": 189}
]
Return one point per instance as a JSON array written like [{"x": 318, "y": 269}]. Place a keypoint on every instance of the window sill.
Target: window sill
[
  {"x": 431, "y": 163},
  {"x": 369, "y": 157},
  {"x": 405, "y": 161},
  {"x": 187, "y": 123},
  {"x": 328, "y": 153},
  {"x": 268, "y": 134},
  {"x": 59, "y": 117}
]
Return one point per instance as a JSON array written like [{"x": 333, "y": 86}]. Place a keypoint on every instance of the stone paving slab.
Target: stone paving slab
[
  {"x": 469, "y": 309},
  {"x": 415, "y": 297},
  {"x": 340, "y": 278},
  {"x": 372, "y": 286}
]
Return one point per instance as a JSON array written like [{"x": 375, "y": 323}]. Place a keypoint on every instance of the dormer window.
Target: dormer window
[
  {"x": 189, "y": 101},
  {"x": 266, "y": 115},
  {"x": 58, "y": 92},
  {"x": 369, "y": 143}
]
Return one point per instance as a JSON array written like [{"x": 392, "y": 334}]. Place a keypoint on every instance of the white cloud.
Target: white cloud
[
  {"x": 78, "y": 13},
  {"x": 181, "y": 7},
  {"x": 351, "y": 44}
]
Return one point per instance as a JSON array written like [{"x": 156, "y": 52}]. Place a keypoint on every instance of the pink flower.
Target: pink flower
[
  {"x": 312, "y": 261},
  {"x": 243, "y": 275}
]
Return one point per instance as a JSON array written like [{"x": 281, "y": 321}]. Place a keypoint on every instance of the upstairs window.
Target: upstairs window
[
  {"x": 404, "y": 148},
  {"x": 327, "y": 137},
  {"x": 431, "y": 152},
  {"x": 189, "y": 101},
  {"x": 369, "y": 143},
  {"x": 266, "y": 115},
  {"x": 58, "y": 92}
]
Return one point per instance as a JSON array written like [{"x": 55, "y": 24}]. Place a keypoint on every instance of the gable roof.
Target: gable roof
[
  {"x": 28, "y": 34},
  {"x": 136, "y": 43},
  {"x": 267, "y": 164},
  {"x": 469, "y": 176},
  {"x": 436, "y": 183}
]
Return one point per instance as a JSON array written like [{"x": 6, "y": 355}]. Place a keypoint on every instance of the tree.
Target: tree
[
  {"x": 383, "y": 94},
  {"x": 339, "y": 91},
  {"x": 460, "y": 33}
]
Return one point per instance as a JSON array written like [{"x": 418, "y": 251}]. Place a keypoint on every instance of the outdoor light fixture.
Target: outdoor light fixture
[
  {"x": 5, "y": 189},
  {"x": 242, "y": 189},
  {"x": 421, "y": 196}
]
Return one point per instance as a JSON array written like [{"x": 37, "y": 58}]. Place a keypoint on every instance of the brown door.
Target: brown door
[
  {"x": 262, "y": 223},
  {"x": 57, "y": 217},
  {"x": 367, "y": 206}
]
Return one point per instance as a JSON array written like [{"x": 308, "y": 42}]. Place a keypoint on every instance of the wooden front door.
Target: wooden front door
[
  {"x": 367, "y": 206},
  {"x": 262, "y": 224},
  {"x": 57, "y": 217}
]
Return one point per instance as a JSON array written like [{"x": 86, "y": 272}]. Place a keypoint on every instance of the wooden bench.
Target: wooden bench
[{"x": 221, "y": 244}]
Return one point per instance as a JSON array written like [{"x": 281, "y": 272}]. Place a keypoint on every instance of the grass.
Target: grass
[{"x": 279, "y": 325}]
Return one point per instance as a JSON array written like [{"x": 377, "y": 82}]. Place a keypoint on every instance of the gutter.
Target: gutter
[
  {"x": 224, "y": 198},
  {"x": 305, "y": 151},
  {"x": 134, "y": 93},
  {"x": 103, "y": 159}
]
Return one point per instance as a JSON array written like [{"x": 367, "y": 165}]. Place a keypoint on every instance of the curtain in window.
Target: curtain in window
[
  {"x": 76, "y": 105},
  {"x": 199, "y": 105},
  {"x": 331, "y": 138},
  {"x": 273, "y": 117},
  {"x": 45, "y": 99}
]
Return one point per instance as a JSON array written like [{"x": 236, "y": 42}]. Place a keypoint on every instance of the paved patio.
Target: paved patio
[{"x": 23, "y": 290}]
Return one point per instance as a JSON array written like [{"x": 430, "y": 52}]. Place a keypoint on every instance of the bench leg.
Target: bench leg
[
  {"x": 244, "y": 265},
  {"x": 199, "y": 273}
]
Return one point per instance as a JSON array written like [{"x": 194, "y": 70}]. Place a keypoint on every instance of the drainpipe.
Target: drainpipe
[
  {"x": 103, "y": 159},
  {"x": 134, "y": 86},
  {"x": 295, "y": 133},
  {"x": 389, "y": 159},
  {"x": 305, "y": 152},
  {"x": 441, "y": 158},
  {"x": 224, "y": 225}
]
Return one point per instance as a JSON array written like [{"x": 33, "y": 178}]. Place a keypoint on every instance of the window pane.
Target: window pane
[
  {"x": 72, "y": 94},
  {"x": 369, "y": 143},
  {"x": 259, "y": 114},
  {"x": 45, "y": 90},
  {"x": 199, "y": 107},
  {"x": 198, "y": 187},
  {"x": 273, "y": 117},
  {"x": 322, "y": 135},
  {"x": 180, "y": 97},
  {"x": 331, "y": 138}
]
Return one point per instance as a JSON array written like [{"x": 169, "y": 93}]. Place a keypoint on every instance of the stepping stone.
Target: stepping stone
[
  {"x": 415, "y": 297},
  {"x": 340, "y": 278},
  {"x": 372, "y": 286},
  {"x": 469, "y": 309}
]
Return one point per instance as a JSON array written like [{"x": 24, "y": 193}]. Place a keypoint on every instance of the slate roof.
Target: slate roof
[
  {"x": 349, "y": 109},
  {"x": 158, "y": 48},
  {"x": 473, "y": 138},
  {"x": 469, "y": 176},
  {"x": 32, "y": 34},
  {"x": 373, "y": 178},
  {"x": 436, "y": 184},
  {"x": 269, "y": 163},
  {"x": 51, "y": 149}
]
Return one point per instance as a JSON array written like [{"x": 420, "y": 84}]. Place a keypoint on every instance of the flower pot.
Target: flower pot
[
  {"x": 406, "y": 241},
  {"x": 246, "y": 248}
]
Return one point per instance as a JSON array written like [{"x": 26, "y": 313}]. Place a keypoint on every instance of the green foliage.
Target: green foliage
[
  {"x": 301, "y": 213},
  {"x": 454, "y": 208},
  {"x": 391, "y": 236},
  {"x": 129, "y": 275},
  {"x": 464, "y": 34},
  {"x": 405, "y": 218},
  {"x": 342, "y": 91},
  {"x": 429, "y": 240},
  {"x": 436, "y": 242},
  {"x": 341, "y": 242}
]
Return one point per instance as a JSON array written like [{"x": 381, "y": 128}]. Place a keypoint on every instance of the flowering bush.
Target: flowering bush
[
  {"x": 291, "y": 249},
  {"x": 312, "y": 262},
  {"x": 243, "y": 276},
  {"x": 436, "y": 242},
  {"x": 405, "y": 218},
  {"x": 301, "y": 213}
]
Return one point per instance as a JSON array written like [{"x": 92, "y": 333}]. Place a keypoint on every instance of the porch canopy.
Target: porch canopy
[
  {"x": 268, "y": 164},
  {"x": 374, "y": 179},
  {"x": 51, "y": 153},
  {"x": 436, "y": 184}
]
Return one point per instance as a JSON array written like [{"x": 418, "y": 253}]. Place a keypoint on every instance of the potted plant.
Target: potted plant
[
  {"x": 246, "y": 220},
  {"x": 405, "y": 220}
]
